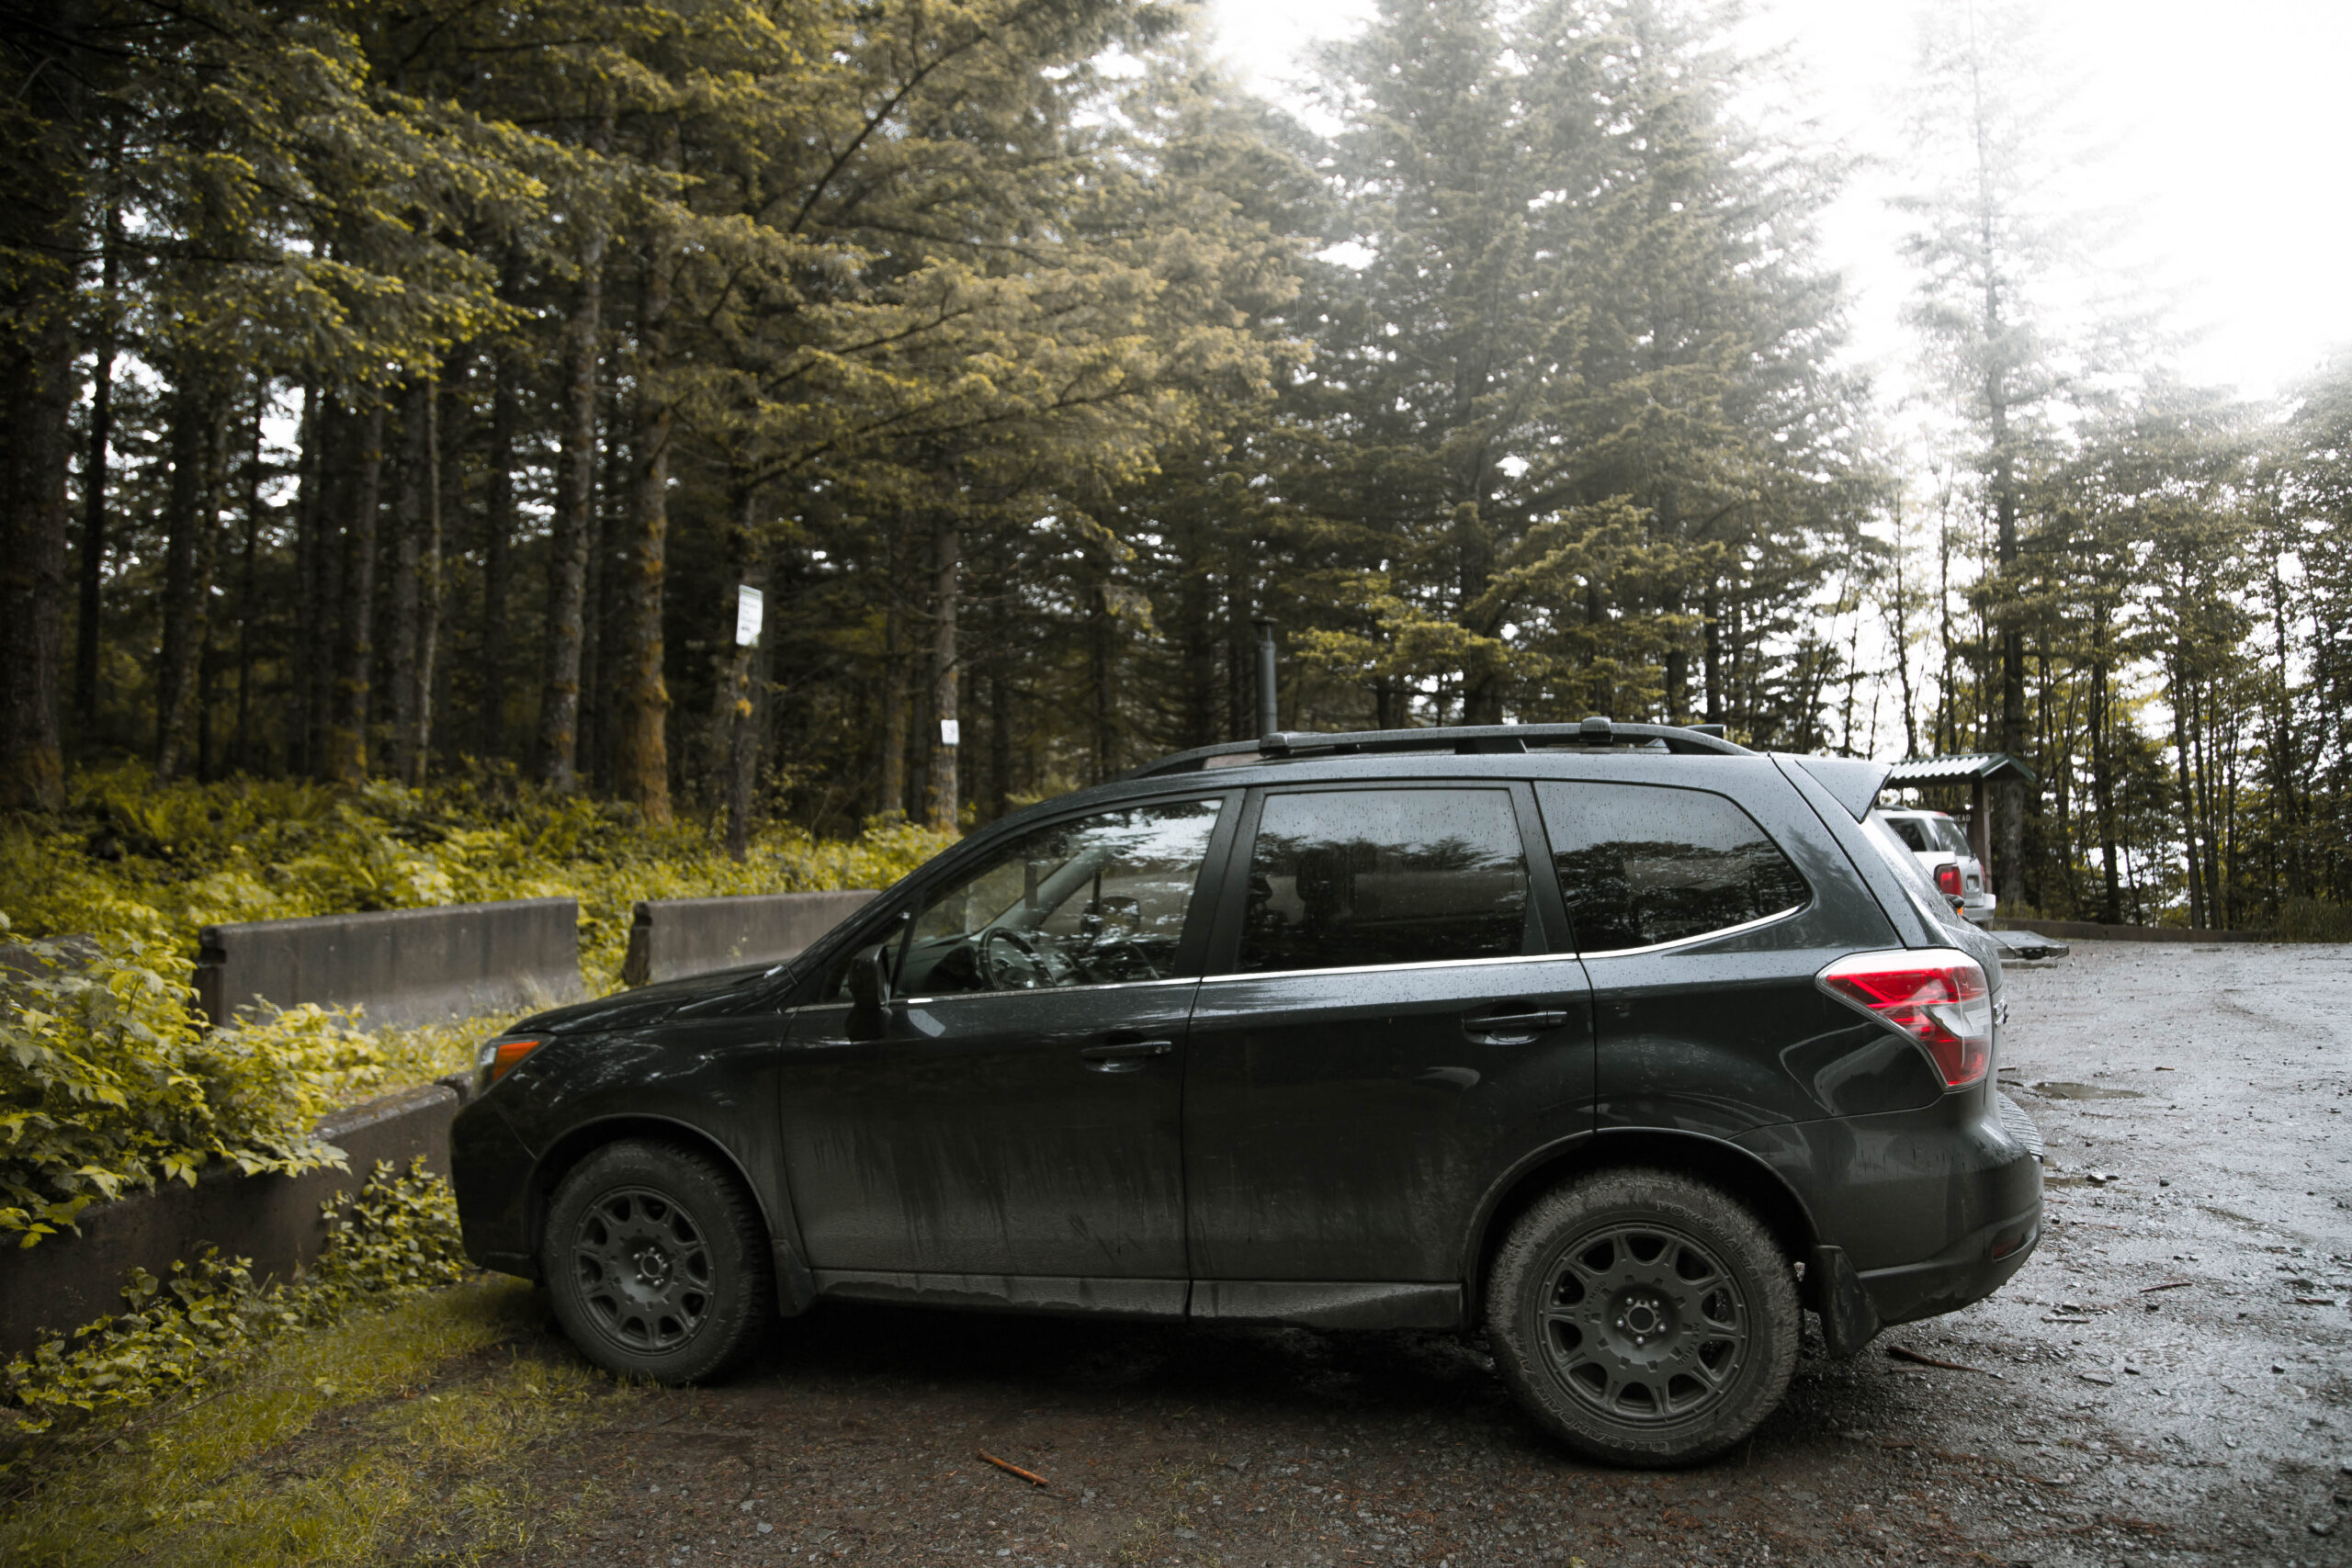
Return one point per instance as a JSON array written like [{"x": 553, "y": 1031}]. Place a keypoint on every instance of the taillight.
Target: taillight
[
  {"x": 1948, "y": 878},
  {"x": 1935, "y": 996},
  {"x": 497, "y": 1058}
]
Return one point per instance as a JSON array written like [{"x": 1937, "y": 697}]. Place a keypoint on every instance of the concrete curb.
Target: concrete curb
[
  {"x": 403, "y": 966},
  {"x": 2091, "y": 930},
  {"x": 67, "y": 1281},
  {"x": 673, "y": 938}
]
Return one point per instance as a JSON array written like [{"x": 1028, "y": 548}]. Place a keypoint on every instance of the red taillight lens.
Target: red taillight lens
[
  {"x": 1948, "y": 878},
  {"x": 1937, "y": 996}
]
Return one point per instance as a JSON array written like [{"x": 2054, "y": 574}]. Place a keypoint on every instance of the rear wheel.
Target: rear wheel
[
  {"x": 1645, "y": 1317},
  {"x": 656, "y": 1262}
]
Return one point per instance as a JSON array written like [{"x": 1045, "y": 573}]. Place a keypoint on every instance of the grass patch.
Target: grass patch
[{"x": 398, "y": 1434}]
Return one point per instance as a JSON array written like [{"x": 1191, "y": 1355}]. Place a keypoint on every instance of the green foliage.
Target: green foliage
[
  {"x": 193, "y": 1331},
  {"x": 110, "y": 1082},
  {"x": 2315, "y": 920}
]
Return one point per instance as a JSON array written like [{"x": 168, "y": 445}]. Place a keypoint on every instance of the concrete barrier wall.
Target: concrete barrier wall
[
  {"x": 2091, "y": 930},
  {"x": 402, "y": 966},
  {"x": 66, "y": 1281},
  {"x": 673, "y": 938}
]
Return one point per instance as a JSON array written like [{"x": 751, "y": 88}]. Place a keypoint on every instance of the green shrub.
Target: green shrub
[
  {"x": 193, "y": 1330},
  {"x": 2315, "y": 920},
  {"x": 109, "y": 1083}
]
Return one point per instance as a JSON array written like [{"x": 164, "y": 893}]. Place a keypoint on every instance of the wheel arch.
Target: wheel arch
[
  {"x": 578, "y": 1143},
  {"x": 1726, "y": 1165}
]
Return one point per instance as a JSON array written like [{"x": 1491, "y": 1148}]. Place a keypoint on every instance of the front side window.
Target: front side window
[
  {"x": 1348, "y": 879},
  {"x": 1641, "y": 864},
  {"x": 1092, "y": 902}
]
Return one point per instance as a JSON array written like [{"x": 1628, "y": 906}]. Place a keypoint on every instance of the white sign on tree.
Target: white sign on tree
[{"x": 751, "y": 607}]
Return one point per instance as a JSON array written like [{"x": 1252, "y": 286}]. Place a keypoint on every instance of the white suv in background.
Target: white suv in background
[{"x": 1943, "y": 850}]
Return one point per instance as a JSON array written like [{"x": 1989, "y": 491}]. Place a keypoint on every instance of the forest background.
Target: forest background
[{"x": 399, "y": 394}]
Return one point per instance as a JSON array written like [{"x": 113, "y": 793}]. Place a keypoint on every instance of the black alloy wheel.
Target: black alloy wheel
[
  {"x": 656, "y": 1262},
  {"x": 1644, "y": 1317}
]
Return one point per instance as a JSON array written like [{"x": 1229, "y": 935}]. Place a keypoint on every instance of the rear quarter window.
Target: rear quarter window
[{"x": 1644, "y": 864}]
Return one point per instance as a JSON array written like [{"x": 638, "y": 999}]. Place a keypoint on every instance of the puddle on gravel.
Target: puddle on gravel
[{"x": 2083, "y": 1092}]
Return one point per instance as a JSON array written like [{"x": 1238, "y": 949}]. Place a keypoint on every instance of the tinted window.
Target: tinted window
[
  {"x": 1948, "y": 835},
  {"x": 1641, "y": 866},
  {"x": 1084, "y": 903},
  {"x": 1350, "y": 878},
  {"x": 1911, "y": 831}
]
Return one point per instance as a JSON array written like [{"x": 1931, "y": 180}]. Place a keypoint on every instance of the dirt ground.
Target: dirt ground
[{"x": 2165, "y": 1382}]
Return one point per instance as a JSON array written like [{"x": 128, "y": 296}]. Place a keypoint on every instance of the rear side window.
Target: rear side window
[
  {"x": 1640, "y": 865},
  {"x": 1346, "y": 879},
  {"x": 1912, "y": 831}
]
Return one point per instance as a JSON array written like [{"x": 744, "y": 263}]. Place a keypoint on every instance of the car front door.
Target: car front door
[
  {"x": 1392, "y": 1011},
  {"x": 1018, "y": 1114}
]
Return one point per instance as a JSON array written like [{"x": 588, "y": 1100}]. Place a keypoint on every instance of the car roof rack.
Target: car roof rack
[{"x": 1466, "y": 740}]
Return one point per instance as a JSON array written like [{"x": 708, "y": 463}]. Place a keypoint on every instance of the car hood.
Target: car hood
[{"x": 648, "y": 1004}]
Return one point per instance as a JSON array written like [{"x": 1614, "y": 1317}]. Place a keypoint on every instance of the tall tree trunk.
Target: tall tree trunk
[
  {"x": 450, "y": 419},
  {"x": 945, "y": 794},
  {"x": 1711, "y": 611},
  {"x": 747, "y": 568},
  {"x": 498, "y": 534},
  {"x": 2103, "y": 785},
  {"x": 2188, "y": 799},
  {"x": 191, "y": 552},
  {"x": 334, "y": 433},
  {"x": 572, "y": 533},
  {"x": 644, "y": 771},
  {"x": 248, "y": 589},
  {"x": 890, "y": 802},
  {"x": 417, "y": 480},
  {"x": 346, "y": 748},
  {"x": 94, "y": 477}
]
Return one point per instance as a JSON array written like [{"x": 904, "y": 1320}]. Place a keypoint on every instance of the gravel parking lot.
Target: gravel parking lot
[{"x": 2165, "y": 1382}]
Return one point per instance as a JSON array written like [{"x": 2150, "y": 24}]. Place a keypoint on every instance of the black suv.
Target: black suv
[{"x": 1619, "y": 1041}]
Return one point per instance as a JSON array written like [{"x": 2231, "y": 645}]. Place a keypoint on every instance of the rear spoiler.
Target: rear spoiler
[{"x": 1852, "y": 782}]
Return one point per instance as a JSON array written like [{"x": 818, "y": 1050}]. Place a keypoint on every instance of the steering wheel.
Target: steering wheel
[
  {"x": 1022, "y": 970},
  {"x": 1135, "y": 963}
]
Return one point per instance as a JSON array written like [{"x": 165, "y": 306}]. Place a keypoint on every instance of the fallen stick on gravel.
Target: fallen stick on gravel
[
  {"x": 1033, "y": 1478},
  {"x": 1905, "y": 1353},
  {"x": 2167, "y": 1285}
]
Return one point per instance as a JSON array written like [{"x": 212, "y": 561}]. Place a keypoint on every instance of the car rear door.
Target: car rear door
[
  {"x": 1702, "y": 920},
  {"x": 1388, "y": 1008}
]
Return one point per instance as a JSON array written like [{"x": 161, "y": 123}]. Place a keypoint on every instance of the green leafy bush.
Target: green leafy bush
[
  {"x": 131, "y": 858},
  {"x": 110, "y": 1082},
  {"x": 2315, "y": 920},
  {"x": 193, "y": 1330}
]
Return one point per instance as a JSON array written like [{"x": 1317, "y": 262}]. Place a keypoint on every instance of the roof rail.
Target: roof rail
[{"x": 1477, "y": 739}]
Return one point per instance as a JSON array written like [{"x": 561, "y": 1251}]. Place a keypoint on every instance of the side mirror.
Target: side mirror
[{"x": 869, "y": 993}]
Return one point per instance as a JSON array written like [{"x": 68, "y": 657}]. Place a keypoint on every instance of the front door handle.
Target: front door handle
[
  {"x": 1513, "y": 1028},
  {"x": 1125, "y": 1057}
]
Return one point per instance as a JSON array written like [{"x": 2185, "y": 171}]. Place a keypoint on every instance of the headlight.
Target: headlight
[{"x": 495, "y": 1058}]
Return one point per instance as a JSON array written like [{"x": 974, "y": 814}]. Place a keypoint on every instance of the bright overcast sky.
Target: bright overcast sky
[{"x": 2230, "y": 135}]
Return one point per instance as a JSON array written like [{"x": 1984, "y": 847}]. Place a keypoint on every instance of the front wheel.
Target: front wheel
[
  {"x": 656, "y": 1262},
  {"x": 1645, "y": 1317}
]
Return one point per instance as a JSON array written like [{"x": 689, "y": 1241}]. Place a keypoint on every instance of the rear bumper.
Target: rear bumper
[
  {"x": 1924, "y": 1211},
  {"x": 1965, "y": 1272}
]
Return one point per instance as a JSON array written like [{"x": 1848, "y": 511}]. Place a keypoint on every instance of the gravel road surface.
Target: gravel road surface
[{"x": 2163, "y": 1384}]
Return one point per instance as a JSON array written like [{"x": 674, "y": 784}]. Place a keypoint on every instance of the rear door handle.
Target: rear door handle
[
  {"x": 1125, "y": 1057},
  {"x": 1515, "y": 1026}
]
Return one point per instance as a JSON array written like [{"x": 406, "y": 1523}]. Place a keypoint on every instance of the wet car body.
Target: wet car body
[{"x": 1191, "y": 1133}]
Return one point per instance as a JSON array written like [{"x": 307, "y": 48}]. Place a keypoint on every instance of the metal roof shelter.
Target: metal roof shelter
[{"x": 1978, "y": 769}]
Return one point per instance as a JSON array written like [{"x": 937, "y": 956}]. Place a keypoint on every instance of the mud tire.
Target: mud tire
[
  {"x": 657, "y": 1262},
  {"x": 1714, "y": 1303}
]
